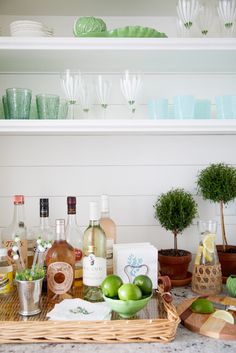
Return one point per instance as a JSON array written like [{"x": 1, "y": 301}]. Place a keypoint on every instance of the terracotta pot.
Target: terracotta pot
[
  {"x": 227, "y": 261},
  {"x": 176, "y": 267}
]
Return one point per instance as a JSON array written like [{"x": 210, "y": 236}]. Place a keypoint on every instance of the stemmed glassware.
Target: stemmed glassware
[
  {"x": 227, "y": 12},
  {"x": 103, "y": 90},
  {"x": 130, "y": 87},
  {"x": 205, "y": 19},
  {"x": 187, "y": 11},
  {"x": 85, "y": 95},
  {"x": 70, "y": 82}
]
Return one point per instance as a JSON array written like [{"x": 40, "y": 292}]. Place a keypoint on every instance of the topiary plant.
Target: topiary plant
[
  {"x": 175, "y": 211},
  {"x": 217, "y": 183}
]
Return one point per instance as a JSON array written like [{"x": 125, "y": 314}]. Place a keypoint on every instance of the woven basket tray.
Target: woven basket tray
[{"x": 156, "y": 323}]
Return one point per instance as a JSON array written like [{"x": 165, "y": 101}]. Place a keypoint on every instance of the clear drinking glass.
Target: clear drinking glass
[
  {"x": 47, "y": 106},
  {"x": 19, "y": 102},
  {"x": 103, "y": 90},
  {"x": 227, "y": 13},
  {"x": 130, "y": 87},
  {"x": 70, "y": 82},
  {"x": 63, "y": 109},
  {"x": 207, "y": 253}
]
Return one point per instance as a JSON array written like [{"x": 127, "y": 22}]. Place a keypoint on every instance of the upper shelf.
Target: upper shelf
[
  {"x": 172, "y": 55},
  {"x": 118, "y": 127}
]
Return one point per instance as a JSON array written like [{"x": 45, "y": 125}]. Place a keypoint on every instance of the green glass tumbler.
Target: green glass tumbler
[
  {"x": 5, "y": 107},
  {"x": 19, "y": 102},
  {"x": 47, "y": 106}
]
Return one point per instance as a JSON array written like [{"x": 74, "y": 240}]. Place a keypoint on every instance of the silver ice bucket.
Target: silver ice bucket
[{"x": 29, "y": 293}]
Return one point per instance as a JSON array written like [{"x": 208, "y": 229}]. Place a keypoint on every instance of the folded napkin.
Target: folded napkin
[{"x": 79, "y": 309}]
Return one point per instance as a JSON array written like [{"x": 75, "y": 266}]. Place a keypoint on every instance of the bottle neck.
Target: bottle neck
[
  {"x": 19, "y": 215},
  {"x": 71, "y": 219},
  {"x": 60, "y": 234},
  {"x": 94, "y": 223},
  {"x": 105, "y": 214},
  {"x": 44, "y": 222}
]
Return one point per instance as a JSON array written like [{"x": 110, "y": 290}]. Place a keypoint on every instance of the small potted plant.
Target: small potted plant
[
  {"x": 175, "y": 211},
  {"x": 217, "y": 183},
  {"x": 29, "y": 281}
]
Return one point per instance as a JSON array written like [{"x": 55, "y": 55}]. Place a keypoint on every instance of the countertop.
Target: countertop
[{"x": 185, "y": 341}]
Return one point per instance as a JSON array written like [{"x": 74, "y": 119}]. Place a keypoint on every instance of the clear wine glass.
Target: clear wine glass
[
  {"x": 103, "y": 90},
  {"x": 205, "y": 19},
  {"x": 187, "y": 11},
  {"x": 227, "y": 13},
  {"x": 85, "y": 95},
  {"x": 130, "y": 87},
  {"x": 70, "y": 82}
]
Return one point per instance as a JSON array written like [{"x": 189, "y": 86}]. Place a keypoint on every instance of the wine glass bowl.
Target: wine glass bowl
[
  {"x": 130, "y": 87},
  {"x": 70, "y": 82},
  {"x": 187, "y": 11},
  {"x": 227, "y": 13}
]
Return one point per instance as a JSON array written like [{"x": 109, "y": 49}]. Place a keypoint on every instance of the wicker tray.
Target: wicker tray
[{"x": 156, "y": 323}]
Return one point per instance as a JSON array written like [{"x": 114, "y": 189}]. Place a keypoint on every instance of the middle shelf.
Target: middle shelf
[{"x": 118, "y": 127}]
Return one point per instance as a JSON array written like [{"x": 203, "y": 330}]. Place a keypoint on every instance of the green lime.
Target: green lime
[
  {"x": 202, "y": 306},
  {"x": 129, "y": 291},
  {"x": 110, "y": 286},
  {"x": 144, "y": 283}
]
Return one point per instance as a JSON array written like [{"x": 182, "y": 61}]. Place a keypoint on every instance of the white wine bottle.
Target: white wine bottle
[
  {"x": 94, "y": 257},
  {"x": 109, "y": 227}
]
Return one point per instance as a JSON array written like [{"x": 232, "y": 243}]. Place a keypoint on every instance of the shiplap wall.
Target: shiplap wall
[{"x": 133, "y": 170}]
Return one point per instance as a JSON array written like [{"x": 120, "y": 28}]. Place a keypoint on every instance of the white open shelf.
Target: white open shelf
[
  {"x": 210, "y": 55},
  {"x": 116, "y": 127}
]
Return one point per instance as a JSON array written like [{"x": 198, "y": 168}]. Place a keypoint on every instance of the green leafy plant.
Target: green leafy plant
[
  {"x": 30, "y": 274},
  {"x": 175, "y": 211},
  {"x": 217, "y": 183}
]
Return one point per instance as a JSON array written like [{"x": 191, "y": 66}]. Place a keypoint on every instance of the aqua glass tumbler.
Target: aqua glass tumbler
[
  {"x": 47, "y": 106},
  {"x": 184, "y": 107},
  {"x": 158, "y": 108},
  {"x": 202, "y": 109},
  {"x": 226, "y": 107},
  {"x": 19, "y": 102},
  {"x": 5, "y": 107}
]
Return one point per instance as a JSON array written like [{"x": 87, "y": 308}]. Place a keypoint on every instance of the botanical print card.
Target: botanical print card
[{"x": 133, "y": 259}]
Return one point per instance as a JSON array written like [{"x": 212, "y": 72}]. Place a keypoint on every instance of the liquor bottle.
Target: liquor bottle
[
  {"x": 16, "y": 228},
  {"x": 44, "y": 230},
  {"x": 6, "y": 274},
  {"x": 74, "y": 235},
  {"x": 94, "y": 257},
  {"x": 60, "y": 261},
  {"x": 109, "y": 227}
]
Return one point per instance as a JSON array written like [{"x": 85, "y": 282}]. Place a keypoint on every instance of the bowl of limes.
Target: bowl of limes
[{"x": 127, "y": 299}]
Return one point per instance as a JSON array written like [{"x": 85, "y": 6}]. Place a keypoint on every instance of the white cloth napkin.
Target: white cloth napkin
[{"x": 79, "y": 309}]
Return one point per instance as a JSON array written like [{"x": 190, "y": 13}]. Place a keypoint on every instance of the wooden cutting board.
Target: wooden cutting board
[{"x": 204, "y": 323}]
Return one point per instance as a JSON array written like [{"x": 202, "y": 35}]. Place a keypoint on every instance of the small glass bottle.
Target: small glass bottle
[
  {"x": 6, "y": 274},
  {"x": 207, "y": 276},
  {"x": 16, "y": 228},
  {"x": 94, "y": 257},
  {"x": 74, "y": 235},
  {"x": 60, "y": 261},
  {"x": 109, "y": 227}
]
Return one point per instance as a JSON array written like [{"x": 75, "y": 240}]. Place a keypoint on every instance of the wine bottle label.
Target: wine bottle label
[
  {"x": 6, "y": 280},
  {"x": 94, "y": 270},
  {"x": 60, "y": 276},
  {"x": 23, "y": 250}
]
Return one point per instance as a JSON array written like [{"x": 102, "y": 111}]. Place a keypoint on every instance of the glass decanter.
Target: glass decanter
[{"x": 207, "y": 253}]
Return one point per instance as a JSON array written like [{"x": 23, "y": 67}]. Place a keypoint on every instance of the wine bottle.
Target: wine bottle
[
  {"x": 16, "y": 228},
  {"x": 60, "y": 261},
  {"x": 74, "y": 235},
  {"x": 109, "y": 227},
  {"x": 94, "y": 257}
]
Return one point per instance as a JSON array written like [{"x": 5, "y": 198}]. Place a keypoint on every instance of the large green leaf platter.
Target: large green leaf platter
[
  {"x": 136, "y": 31},
  {"x": 90, "y": 27}
]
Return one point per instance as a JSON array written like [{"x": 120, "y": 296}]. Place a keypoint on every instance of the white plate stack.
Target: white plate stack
[{"x": 30, "y": 29}]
